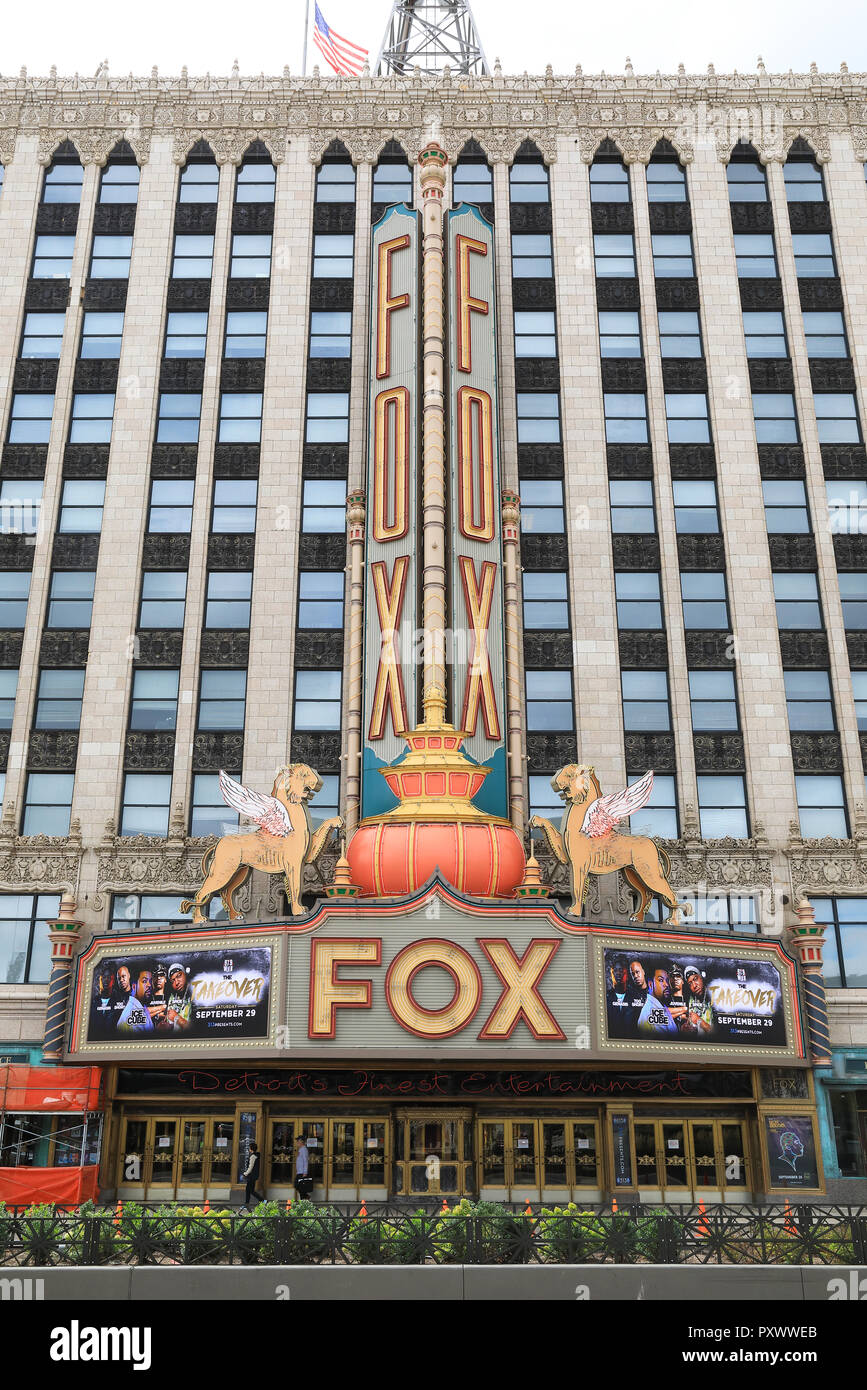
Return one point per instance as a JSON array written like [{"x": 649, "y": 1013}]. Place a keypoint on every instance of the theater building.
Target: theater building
[{"x": 426, "y": 437}]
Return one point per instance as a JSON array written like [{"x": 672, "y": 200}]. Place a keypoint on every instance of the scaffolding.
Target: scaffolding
[{"x": 427, "y": 35}]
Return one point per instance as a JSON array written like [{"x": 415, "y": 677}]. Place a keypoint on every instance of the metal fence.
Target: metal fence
[{"x": 308, "y": 1234}]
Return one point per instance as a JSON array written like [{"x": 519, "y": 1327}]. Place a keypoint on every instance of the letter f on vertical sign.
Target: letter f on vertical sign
[
  {"x": 467, "y": 246},
  {"x": 387, "y": 303}
]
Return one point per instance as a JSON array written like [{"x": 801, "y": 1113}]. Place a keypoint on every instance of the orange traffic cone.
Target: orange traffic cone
[
  {"x": 444, "y": 1207},
  {"x": 118, "y": 1212},
  {"x": 789, "y": 1224},
  {"x": 363, "y": 1212},
  {"x": 614, "y": 1204},
  {"x": 207, "y": 1207},
  {"x": 702, "y": 1230},
  {"x": 528, "y": 1210},
  {"x": 288, "y": 1203}
]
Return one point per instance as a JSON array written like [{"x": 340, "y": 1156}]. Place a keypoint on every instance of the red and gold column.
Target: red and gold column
[
  {"x": 808, "y": 937},
  {"x": 64, "y": 933}
]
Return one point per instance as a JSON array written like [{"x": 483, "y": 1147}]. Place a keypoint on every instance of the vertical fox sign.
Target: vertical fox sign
[
  {"x": 477, "y": 661},
  {"x": 391, "y": 591}
]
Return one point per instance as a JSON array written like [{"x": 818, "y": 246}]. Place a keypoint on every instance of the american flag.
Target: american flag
[{"x": 344, "y": 57}]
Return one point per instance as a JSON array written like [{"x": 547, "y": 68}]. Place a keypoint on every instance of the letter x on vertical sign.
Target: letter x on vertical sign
[
  {"x": 389, "y": 692},
  {"x": 479, "y": 689}
]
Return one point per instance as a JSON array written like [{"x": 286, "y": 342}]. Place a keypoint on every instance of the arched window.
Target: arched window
[
  {"x": 609, "y": 177},
  {"x": 200, "y": 177},
  {"x": 746, "y": 176},
  {"x": 666, "y": 178},
  {"x": 335, "y": 177},
  {"x": 64, "y": 176},
  {"x": 472, "y": 181},
  {"x": 120, "y": 177},
  {"x": 802, "y": 175},
  {"x": 257, "y": 177},
  {"x": 392, "y": 177},
  {"x": 528, "y": 177}
]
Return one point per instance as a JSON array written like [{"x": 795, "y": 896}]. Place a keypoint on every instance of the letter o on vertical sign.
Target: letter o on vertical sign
[
  {"x": 461, "y": 1008},
  {"x": 390, "y": 464},
  {"x": 476, "y": 463}
]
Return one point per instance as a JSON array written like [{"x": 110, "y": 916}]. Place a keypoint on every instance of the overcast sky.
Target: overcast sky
[{"x": 525, "y": 34}]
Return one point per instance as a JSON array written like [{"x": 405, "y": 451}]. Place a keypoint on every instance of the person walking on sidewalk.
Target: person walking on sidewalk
[
  {"x": 251, "y": 1173},
  {"x": 303, "y": 1181}
]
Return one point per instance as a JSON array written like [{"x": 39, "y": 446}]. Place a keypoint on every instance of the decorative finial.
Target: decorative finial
[
  {"x": 629, "y": 69},
  {"x": 681, "y": 70},
  {"x": 285, "y": 72},
  {"x": 844, "y": 69},
  {"x": 761, "y": 66},
  {"x": 498, "y": 71},
  {"x": 711, "y": 70},
  {"x": 23, "y": 73},
  {"x": 155, "y": 72},
  {"x": 814, "y": 71},
  {"x": 53, "y": 72},
  {"x": 236, "y": 71},
  {"x": 579, "y": 71}
]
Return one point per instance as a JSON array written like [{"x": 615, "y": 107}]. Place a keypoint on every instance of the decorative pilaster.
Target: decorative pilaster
[
  {"x": 355, "y": 513},
  {"x": 809, "y": 937},
  {"x": 433, "y": 160},
  {"x": 64, "y": 933},
  {"x": 512, "y": 616}
]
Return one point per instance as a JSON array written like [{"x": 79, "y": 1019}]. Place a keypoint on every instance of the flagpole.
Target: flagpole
[{"x": 306, "y": 30}]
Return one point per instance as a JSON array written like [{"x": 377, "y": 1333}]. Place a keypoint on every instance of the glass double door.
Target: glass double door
[
  {"x": 683, "y": 1159},
  {"x": 436, "y": 1154},
  {"x": 344, "y": 1155},
  {"x": 554, "y": 1155},
  {"x": 165, "y": 1153}
]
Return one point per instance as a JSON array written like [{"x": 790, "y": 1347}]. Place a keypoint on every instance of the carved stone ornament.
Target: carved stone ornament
[{"x": 38, "y": 863}]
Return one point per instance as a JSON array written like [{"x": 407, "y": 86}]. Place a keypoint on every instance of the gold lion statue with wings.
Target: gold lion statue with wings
[{"x": 590, "y": 843}]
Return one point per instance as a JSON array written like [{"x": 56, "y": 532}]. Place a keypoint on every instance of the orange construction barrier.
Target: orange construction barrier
[
  {"x": 288, "y": 1203},
  {"x": 702, "y": 1230},
  {"x": 789, "y": 1225},
  {"x": 68, "y": 1187},
  {"x": 118, "y": 1212},
  {"x": 207, "y": 1207}
]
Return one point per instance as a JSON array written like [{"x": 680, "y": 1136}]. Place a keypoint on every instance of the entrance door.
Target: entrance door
[
  {"x": 551, "y": 1158},
  {"x": 688, "y": 1160},
  {"x": 434, "y": 1156},
  {"x": 164, "y": 1155},
  {"x": 163, "y": 1152}
]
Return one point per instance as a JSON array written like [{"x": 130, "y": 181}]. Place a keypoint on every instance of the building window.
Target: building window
[
  {"x": 808, "y": 700},
  {"x": 63, "y": 182},
  {"x": 619, "y": 333},
  {"x": 625, "y": 418},
  {"x": 825, "y": 333},
  {"x": 679, "y": 333},
  {"x": 193, "y": 258},
  {"x": 786, "y": 508},
  {"x": 145, "y": 808},
  {"x": 178, "y": 418},
  {"x": 81, "y": 507},
  {"x": 256, "y": 183},
  {"x": 47, "y": 803},
  {"x": 765, "y": 333},
  {"x": 844, "y": 958},
  {"x": 528, "y": 182},
  {"x": 546, "y": 603},
  {"x": 327, "y": 417},
  {"x": 658, "y": 817},
  {"x": 686, "y": 414},
  {"x": 30, "y": 422},
  {"x": 853, "y": 592},
  {"x": 52, "y": 259},
  {"x": 713, "y": 701},
  {"x": 672, "y": 256},
  {"x": 803, "y": 180},
  {"x": 153, "y": 910},
  {"x": 821, "y": 807},
  {"x": 222, "y": 695},
  {"x": 229, "y": 596},
  {"x": 25, "y": 950},
  {"x": 154, "y": 700},
  {"x": 185, "y": 334},
  {"x": 332, "y": 257},
  {"x": 754, "y": 252},
  {"x": 392, "y": 182},
  {"x": 609, "y": 182},
  {"x": 335, "y": 181},
  {"x": 542, "y": 510},
  {"x": 544, "y": 801},
  {"x": 200, "y": 182},
  {"x": 43, "y": 335},
  {"x": 695, "y": 507},
  {"x": 722, "y": 807},
  {"x": 327, "y": 798},
  {"x": 330, "y": 333},
  {"x": 666, "y": 182},
  {"x": 535, "y": 334},
  {"x": 645, "y": 701},
  {"x": 111, "y": 257},
  {"x": 171, "y": 505},
  {"x": 100, "y": 336},
  {"x": 245, "y": 333},
  {"x": 614, "y": 254},
  {"x": 837, "y": 419},
  {"x": 234, "y": 506},
  {"x": 549, "y": 701},
  {"x": 859, "y": 690},
  {"x": 538, "y": 417},
  {"x": 735, "y": 912},
  {"x": 472, "y": 182},
  {"x": 58, "y": 700},
  {"x": 20, "y": 506},
  {"x": 91, "y": 418},
  {"x": 163, "y": 599},
  {"x": 705, "y": 605},
  {"x": 797, "y": 601},
  {"x": 251, "y": 257},
  {"x": 8, "y": 688},
  {"x": 746, "y": 181},
  {"x": 774, "y": 415},
  {"x": 632, "y": 506},
  {"x": 639, "y": 605},
  {"x": 14, "y": 593},
  {"x": 323, "y": 509},
  {"x": 320, "y": 598},
  {"x": 532, "y": 258},
  {"x": 814, "y": 255},
  {"x": 70, "y": 599},
  {"x": 210, "y": 815},
  {"x": 317, "y": 700},
  {"x": 240, "y": 417},
  {"x": 119, "y": 182}
]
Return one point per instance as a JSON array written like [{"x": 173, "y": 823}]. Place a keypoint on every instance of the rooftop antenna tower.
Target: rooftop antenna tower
[{"x": 428, "y": 34}]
